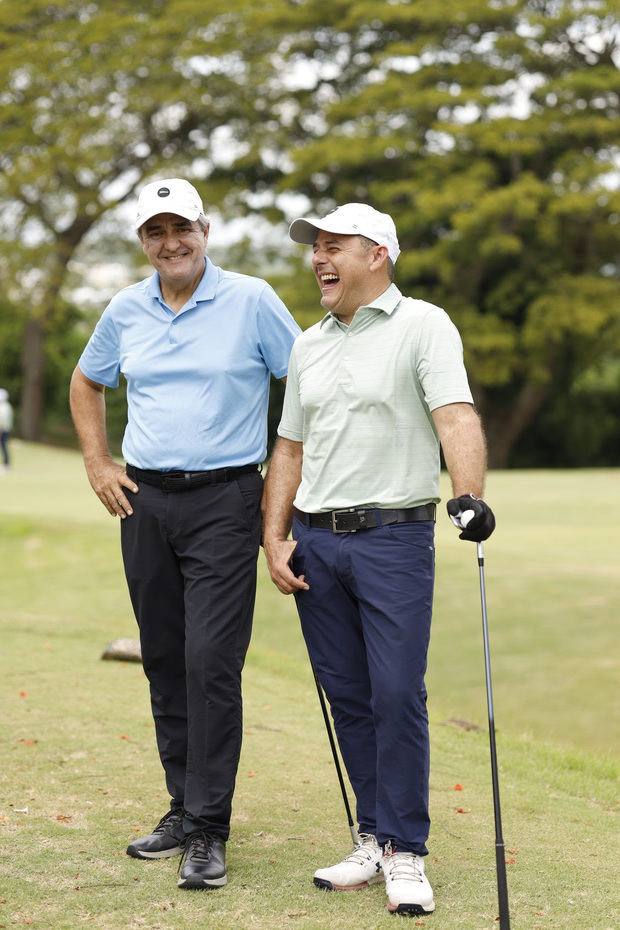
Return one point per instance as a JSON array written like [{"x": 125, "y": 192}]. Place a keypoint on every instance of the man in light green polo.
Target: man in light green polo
[{"x": 372, "y": 391}]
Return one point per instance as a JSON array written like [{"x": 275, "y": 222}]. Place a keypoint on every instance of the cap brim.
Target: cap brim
[
  {"x": 305, "y": 230},
  {"x": 191, "y": 215}
]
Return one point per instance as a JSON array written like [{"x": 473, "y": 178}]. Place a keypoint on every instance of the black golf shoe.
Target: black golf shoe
[
  {"x": 166, "y": 839},
  {"x": 204, "y": 861}
]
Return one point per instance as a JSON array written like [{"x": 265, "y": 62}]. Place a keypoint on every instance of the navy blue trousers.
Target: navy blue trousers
[
  {"x": 366, "y": 621},
  {"x": 190, "y": 561}
]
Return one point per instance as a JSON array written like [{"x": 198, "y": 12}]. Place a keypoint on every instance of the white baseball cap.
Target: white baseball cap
[
  {"x": 352, "y": 219},
  {"x": 172, "y": 195}
]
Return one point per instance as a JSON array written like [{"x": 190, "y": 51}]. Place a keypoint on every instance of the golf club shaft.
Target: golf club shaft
[
  {"x": 332, "y": 743},
  {"x": 500, "y": 853}
]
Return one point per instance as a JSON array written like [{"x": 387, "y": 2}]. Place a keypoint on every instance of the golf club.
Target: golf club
[
  {"x": 500, "y": 854},
  {"x": 332, "y": 743}
]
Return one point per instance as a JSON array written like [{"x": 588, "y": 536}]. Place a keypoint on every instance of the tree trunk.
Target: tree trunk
[
  {"x": 33, "y": 362},
  {"x": 504, "y": 425}
]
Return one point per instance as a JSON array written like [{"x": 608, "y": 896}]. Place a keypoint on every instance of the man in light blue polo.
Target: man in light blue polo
[
  {"x": 372, "y": 390},
  {"x": 197, "y": 346}
]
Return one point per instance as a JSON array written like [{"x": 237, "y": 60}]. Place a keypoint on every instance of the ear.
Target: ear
[
  {"x": 205, "y": 233},
  {"x": 379, "y": 257}
]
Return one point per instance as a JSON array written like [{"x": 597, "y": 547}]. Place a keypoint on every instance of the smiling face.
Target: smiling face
[
  {"x": 175, "y": 248},
  {"x": 349, "y": 273}
]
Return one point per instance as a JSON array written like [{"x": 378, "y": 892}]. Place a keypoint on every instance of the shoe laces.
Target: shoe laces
[
  {"x": 364, "y": 850},
  {"x": 169, "y": 820},
  {"x": 405, "y": 866},
  {"x": 198, "y": 845}
]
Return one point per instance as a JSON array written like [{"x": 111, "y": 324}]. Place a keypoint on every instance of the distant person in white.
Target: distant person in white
[{"x": 6, "y": 425}]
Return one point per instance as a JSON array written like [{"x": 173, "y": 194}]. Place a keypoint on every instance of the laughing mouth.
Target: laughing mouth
[{"x": 329, "y": 278}]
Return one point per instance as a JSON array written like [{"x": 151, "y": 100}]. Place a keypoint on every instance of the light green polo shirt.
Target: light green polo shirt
[{"x": 360, "y": 397}]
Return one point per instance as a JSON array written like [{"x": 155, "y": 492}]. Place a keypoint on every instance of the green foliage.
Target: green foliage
[
  {"x": 97, "y": 97},
  {"x": 580, "y": 425},
  {"x": 63, "y": 345},
  {"x": 496, "y": 152},
  {"x": 487, "y": 128}
]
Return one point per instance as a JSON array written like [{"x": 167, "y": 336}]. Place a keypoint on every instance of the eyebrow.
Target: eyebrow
[
  {"x": 329, "y": 242},
  {"x": 180, "y": 222}
]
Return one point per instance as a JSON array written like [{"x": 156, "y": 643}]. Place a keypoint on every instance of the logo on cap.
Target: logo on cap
[{"x": 163, "y": 192}]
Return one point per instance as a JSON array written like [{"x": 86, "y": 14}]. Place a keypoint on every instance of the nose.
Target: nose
[
  {"x": 171, "y": 240},
  {"x": 318, "y": 257}
]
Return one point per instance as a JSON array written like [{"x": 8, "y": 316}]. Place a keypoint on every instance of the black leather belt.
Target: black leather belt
[
  {"x": 353, "y": 519},
  {"x": 185, "y": 480}
]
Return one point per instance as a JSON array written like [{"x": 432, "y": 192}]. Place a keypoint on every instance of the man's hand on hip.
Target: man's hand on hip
[
  {"x": 471, "y": 515},
  {"x": 108, "y": 479}
]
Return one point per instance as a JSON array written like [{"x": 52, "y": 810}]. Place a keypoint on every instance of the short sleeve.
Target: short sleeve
[
  {"x": 292, "y": 421},
  {"x": 277, "y": 330},
  {"x": 100, "y": 360},
  {"x": 439, "y": 361}
]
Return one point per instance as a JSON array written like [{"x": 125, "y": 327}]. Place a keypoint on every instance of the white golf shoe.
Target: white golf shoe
[
  {"x": 408, "y": 888},
  {"x": 361, "y": 868}
]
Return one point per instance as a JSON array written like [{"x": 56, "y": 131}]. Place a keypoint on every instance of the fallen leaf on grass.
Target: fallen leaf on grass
[
  {"x": 30, "y": 742},
  {"x": 460, "y": 810},
  {"x": 458, "y": 787},
  {"x": 462, "y": 724},
  {"x": 251, "y": 774},
  {"x": 22, "y": 694},
  {"x": 510, "y": 860},
  {"x": 64, "y": 818},
  {"x": 122, "y": 736}
]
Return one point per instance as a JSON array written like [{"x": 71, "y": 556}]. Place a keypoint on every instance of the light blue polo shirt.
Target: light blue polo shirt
[{"x": 197, "y": 380}]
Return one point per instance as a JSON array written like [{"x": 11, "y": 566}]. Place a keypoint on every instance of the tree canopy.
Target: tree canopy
[
  {"x": 487, "y": 128},
  {"x": 97, "y": 97},
  {"x": 489, "y": 131}
]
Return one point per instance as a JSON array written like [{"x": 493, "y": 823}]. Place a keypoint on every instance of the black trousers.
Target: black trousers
[{"x": 190, "y": 562}]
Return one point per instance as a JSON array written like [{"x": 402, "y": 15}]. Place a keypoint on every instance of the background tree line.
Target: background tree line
[{"x": 487, "y": 128}]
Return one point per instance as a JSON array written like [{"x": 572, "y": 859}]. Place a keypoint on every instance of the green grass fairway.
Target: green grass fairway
[{"x": 80, "y": 775}]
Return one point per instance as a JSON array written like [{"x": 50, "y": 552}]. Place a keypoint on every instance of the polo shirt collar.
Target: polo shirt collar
[
  {"x": 386, "y": 302},
  {"x": 207, "y": 286}
]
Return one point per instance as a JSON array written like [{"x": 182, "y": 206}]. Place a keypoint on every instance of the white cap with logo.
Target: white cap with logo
[
  {"x": 172, "y": 195},
  {"x": 352, "y": 219}
]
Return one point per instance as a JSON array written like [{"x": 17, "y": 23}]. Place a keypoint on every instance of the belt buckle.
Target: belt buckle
[
  {"x": 335, "y": 515},
  {"x": 351, "y": 511}
]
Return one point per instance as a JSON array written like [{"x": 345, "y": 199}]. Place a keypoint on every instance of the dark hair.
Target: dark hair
[
  {"x": 202, "y": 220},
  {"x": 368, "y": 244}
]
